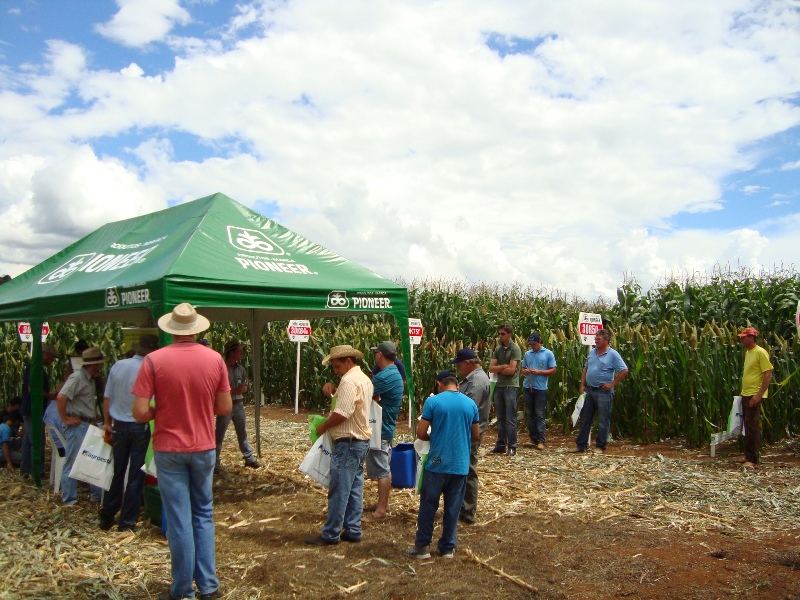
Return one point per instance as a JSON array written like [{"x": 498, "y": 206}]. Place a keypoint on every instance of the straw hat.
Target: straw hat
[
  {"x": 232, "y": 344},
  {"x": 49, "y": 349},
  {"x": 92, "y": 356},
  {"x": 345, "y": 351},
  {"x": 183, "y": 320}
]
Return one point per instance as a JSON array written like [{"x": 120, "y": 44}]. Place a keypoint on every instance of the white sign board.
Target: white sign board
[
  {"x": 588, "y": 325},
  {"x": 25, "y": 335},
  {"x": 299, "y": 331},
  {"x": 415, "y": 331}
]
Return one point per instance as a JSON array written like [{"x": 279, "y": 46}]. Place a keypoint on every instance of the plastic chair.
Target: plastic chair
[{"x": 56, "y": 460}]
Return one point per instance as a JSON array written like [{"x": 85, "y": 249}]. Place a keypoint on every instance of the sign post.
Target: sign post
[
  {"x": 299, "y": 331},
  {"x": 415, "y": 332},
  {"x": 25, "y": 334},
  {"x": 588, "y": 325}
]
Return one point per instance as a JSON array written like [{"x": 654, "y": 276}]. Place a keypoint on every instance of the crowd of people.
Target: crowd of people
[{"x": 190, "y": 393}]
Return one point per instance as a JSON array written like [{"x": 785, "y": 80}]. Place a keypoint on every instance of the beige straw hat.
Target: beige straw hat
[
  {"x": 183, "y": 320},
  {"x": 93, "y": 356},
  {"x": 344, "y": 351}
]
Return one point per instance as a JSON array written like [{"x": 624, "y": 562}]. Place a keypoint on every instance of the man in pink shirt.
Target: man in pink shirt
[{"x": 190, "y": 384}]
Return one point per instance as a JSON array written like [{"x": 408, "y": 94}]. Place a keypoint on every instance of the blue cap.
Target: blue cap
[
  {"x": 464, "y": 354},
  {"x": 445, "y": 374}
]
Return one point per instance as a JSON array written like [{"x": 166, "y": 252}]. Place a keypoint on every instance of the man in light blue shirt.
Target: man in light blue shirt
[
  {"x": 131, "y": 439},
  {"x": 538, "y": 365},
  {"x": 603, "y": 371}
]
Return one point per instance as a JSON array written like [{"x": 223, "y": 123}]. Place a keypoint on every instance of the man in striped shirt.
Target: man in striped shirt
[{"x": 350, "y": 432}]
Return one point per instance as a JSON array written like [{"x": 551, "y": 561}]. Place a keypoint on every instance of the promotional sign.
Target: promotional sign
[
  {"x": 415, "y": 331},
  {"x": 588, "y": 325},
  {"x": 25, "y": 335},
  {"x": 299, "y": 331}
]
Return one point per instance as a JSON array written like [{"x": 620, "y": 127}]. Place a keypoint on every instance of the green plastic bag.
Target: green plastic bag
[{"x": 313, "y": 421}]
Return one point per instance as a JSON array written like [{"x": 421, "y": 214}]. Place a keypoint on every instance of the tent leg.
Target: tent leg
[{"x": 37, "y": 400}]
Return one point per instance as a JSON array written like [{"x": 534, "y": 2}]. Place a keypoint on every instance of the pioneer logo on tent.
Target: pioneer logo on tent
[
  {"x": 252, "y": 240},
  {"x": 112, "y": 298},
  {"x": 96, "y": 262},
  {"x": 371, "y": 300},
  {"x": 338, "y": 299}
]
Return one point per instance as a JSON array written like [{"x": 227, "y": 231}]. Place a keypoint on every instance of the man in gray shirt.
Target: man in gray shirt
[
  {"x": 475, "y": 384},
  {"x": 77, "y": 407}
]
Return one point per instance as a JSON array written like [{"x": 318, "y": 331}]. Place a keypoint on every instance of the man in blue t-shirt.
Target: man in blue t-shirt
[
  {"x": 454, "y": 424},
  {"x": 538, "y": 365},
  {"x": 603, "y": 371},
  {"x": 8, "y": 455},
  {"x": 388, "y": 392}
]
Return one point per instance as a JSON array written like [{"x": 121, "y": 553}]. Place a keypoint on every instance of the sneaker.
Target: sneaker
[
  {"x": 253, "y": 464},
  {"x": 419, "y": 552},
  {"x": 466, "y": 519},
  {"x": 497, "y": 450},
  {"x": 126, "y": 527},
  {"x": 217, "y": 470},
  {"x": 449, "y": 554},
  {"x": 346, "y": 537},
  {"x": 599, "y": 450},
  {"x": 320, "y": 541},
  {"x": 512, "y": 452},
  {"x": 211, "y": 595},
  {"x": 576, "y": 450},
  {"x": 539, "y": 446},
  {"x": 106, "y": 523}
]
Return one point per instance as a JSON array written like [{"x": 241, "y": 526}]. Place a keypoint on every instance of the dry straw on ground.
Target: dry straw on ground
[{"x": 53, "y": 551}]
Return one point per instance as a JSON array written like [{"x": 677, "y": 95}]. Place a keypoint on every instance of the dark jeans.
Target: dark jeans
[
  {"x": 535, "y": 407},
  {"x": 130, "y": 444},
  {"x": 470, "y": 505},
  {"x": 597, "y": 401},
  {"x": 26, "y": 458},
  {"x": 434, "y": 485},
  {"x": 505, "y": 408},
  {"x": 752, "y": 430}
]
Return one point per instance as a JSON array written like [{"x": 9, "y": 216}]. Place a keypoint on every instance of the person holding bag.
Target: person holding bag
[{"x": 77, "y": 409}]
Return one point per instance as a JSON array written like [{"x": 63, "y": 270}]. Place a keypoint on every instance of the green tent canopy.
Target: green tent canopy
[{"x": 231, "y": 262}]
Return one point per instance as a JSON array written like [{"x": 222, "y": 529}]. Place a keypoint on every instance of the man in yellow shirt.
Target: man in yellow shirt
[{"x": 756, "y": 375}]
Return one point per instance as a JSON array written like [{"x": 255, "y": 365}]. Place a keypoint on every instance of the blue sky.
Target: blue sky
[{"x": 484, "y": 143}]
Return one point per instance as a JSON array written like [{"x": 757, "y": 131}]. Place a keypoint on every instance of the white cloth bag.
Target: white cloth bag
[
  {"x": 95, "y": 461},
  {"x": 375, "y": 422},
  {"x": 317, "y": 463},
  {"x": 576, "y": 414},
  {"x": 736, "y": 418},
  {"x": 421, "y": 449}
]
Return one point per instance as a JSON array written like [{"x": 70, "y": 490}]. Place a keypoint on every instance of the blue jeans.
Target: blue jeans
[
  {"x": 73, "y": 436},
  {"x": 535, "y": 407},
  {"x": 435, "y": 485},
  {"x": 130, "y": 444},
  {"x": 597, "y": 401},
  {"x": 239, "y": 422},
  {"x": 185, "y": 480},
  {"x": 346, "y": 489},
  {"x": 26, "y": 464},
  {"x": 505, "y": 408}
]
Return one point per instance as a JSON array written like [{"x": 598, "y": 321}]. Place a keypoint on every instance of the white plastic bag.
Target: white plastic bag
[
  {"x": 576, "y": 414},
  {"x": 375, "y": 422},
  {"x": 317, "y": 463},
  {"x": 95, "y": 461},
  {"x": 736, "y": 418},
  {"x": 421, "y": 448}
]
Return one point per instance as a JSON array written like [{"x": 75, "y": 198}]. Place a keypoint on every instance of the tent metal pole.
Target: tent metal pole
[
  {"x": 37, "y": 399},
  {"x": 255, "y": 343}
]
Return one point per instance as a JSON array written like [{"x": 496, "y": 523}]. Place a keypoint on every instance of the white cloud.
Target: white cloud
[
  {"x": 753, "y": 189},
  {"x": 790, "y": 166},
  {"x": 392, "y": 134},
  {"x": 140, "y": 22}
]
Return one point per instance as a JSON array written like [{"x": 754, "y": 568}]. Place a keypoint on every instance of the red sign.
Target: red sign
[
  {"x": 415, "y": 331},
  {"x": 300, "y": 331},
  {"x": 589, "y": 328},
  {"x": 24, "y": 330}
]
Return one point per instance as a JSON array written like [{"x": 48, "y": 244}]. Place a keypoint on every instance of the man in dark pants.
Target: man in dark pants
[
  {"x": 130, "y": 438},
  {"x": 756, "y": 376},
  {"x": 504, "y": 364},
  {"x": 603, "y": 371},
  {"x": 538, "y": 365},
  {"x": 475, "y": 385}
]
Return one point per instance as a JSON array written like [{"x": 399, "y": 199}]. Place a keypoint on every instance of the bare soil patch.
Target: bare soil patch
[{"x": 657, "y": 521}]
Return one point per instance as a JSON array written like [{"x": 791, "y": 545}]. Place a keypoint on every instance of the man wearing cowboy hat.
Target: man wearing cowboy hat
[
  {"x": 349, "y": 429},
  {"x": 756, "y": 376},
  {"x": 131, "y": 439},
  {"x": 77, "y": 408},
  {"x": 237, "y": 377},
  {"x": 190, "y": 385},
  {"x": 49, "y": 354}
]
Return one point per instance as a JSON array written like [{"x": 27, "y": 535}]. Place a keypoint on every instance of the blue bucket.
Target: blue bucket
[{"x": 403, "y": 466}]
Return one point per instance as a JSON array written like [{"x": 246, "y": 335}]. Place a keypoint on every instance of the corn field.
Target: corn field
[{"x": 679, "y": 340}]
